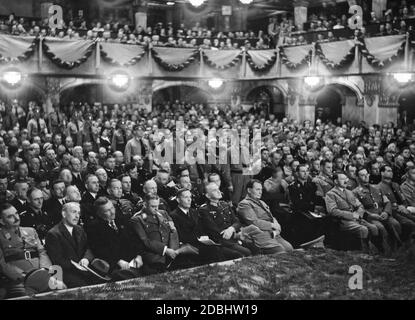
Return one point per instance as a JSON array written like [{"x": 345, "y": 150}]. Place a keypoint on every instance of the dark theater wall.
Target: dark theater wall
[{"x": 20, "y": 8}]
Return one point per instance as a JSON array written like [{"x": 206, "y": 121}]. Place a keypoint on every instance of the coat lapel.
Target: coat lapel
[{"x": 68, "y": 236}]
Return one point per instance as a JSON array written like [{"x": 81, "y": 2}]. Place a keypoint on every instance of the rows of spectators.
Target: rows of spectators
[
  {"x": 329, "y": 26},
  {"x": 322, "y": 27},
  {"x": 159, "y": 35},
  {"x": 89, "y": 173}
]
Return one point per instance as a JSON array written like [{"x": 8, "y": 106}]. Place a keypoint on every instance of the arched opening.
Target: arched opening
[
  {"x": 406, "y": 109},
  {"x": 268, "y": 98},
  {"x": 329, "y": 105},
  {"x": 188, "y": 94},
  {"x": 90, "y": 92},
  {"x": 97, "y": 92}
]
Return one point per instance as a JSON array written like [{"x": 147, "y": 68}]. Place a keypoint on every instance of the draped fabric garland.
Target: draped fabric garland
[
  {"x": 263, "y": 67},
  {"x": 379, "y": 53},
  {"x": 291, "y": 65},
  {"x": 346, "y": 61},
  {"x": 376, "y": 63},
  {"x": 174, "y": 67},
  {"x": 66, "y": 64},
  {"x": 217, "y": 66},
  {"x": 130, "y": 62},
  {"x": 14, "y": 42}
]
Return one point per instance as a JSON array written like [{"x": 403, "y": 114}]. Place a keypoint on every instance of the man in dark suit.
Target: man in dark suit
[
  {"x": 89, "y": 197},
  {"x": 108, "y": 240},
  {"x": 53, "y": 206},
  {"x": 20, "y": 201},
  {"x": 77, "y": 180},
  {"x": 68, "y": 241},
  {"x": 186, "y": 220},
  {"x": 110, "y": 168},
  {"x": 303, "y": 225}
]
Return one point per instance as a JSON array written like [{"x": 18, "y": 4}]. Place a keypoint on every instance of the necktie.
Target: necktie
[
  {"x": 38, "y": 125},
  {"x": 113, "y": 225}
]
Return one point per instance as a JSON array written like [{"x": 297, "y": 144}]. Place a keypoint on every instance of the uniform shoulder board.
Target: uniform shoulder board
[
  {"x": 138, "y": 214},
  {"x": 204, "y": 205},
  {"x": 22, "y": 213}
]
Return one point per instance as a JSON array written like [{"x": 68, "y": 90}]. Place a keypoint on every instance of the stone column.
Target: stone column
[
  {"x": 140, "y": 16},
  {"x": 144, "y": 95},
  {"x": 53, "y": 86},
  {"x": 300, "y": 12},
  {"x": 307, "y": 108},
  {"x": 378, "y": 6},
  {"x": 292, "y": 102}
]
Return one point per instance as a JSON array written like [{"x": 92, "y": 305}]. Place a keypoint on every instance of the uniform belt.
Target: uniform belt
[
  {"x": 24, "y": 255},
  {"x": 236, "y": 171}
]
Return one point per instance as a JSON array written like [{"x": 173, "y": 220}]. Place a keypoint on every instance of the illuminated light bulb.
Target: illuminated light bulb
[
  {"x": 402, "y": 77},
  {"x": 215, "y": 83},
  {"x": 196, "y": 3},
  {"x": 312, "y": 81}
]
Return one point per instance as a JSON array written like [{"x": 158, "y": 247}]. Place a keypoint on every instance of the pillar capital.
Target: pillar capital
[{"x": 301, "y": 3}]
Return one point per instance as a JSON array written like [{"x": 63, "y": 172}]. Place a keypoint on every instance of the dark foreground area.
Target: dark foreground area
[{"x": 316, "y": 274}]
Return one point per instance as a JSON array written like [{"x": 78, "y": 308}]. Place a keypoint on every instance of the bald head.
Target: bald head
[
  {"x": 73, "y": 194},
  {"x": 150, "y": 187}
]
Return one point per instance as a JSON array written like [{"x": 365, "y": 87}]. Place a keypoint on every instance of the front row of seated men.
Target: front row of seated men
[
  {"x": 149, "y": 242},
  {"x": 154, "y": 240}
]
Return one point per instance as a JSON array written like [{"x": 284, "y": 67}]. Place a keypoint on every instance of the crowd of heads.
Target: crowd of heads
[{"x": 181, "y": 36}]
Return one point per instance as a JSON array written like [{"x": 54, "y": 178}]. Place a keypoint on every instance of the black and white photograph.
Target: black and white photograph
[{"x": 203, "y": 156}]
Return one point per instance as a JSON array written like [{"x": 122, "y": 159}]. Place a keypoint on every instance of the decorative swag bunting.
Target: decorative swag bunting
[
  {"x": 377, "y": 63},
  {"x": 213, "y": 58},
  {"x": 174, "y": 67},
  {"x": 346, "y": 61},
  {"x": 60, "y": 51},
  {"x": 291, "y": 65},
  {"x": 255, "y": 57},
  {"x": 122, "y": 55},
  {"x": 379, "y": 52},
  {"x": 16, "y": 49}
]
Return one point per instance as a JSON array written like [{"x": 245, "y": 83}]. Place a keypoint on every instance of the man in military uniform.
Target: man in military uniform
[
  {"x": 20, "y": 201},
  {"x": 5, "y": 194},
  {"x": 399, "y": 208},
  {"x": 150, "y": 188},
  {"x": 22, "y": 175},
  {"x": 306, "y": 223},
  {"x": 197, "y": 198},
  {"x": 221, "y": 224},
  {"x": 156, "y": 230},
  {"x": 378, "y": 211},
  {"x": 21, "y": 252},
  {"x": 127, "y": 194},
  {"x": 351, "y": 174},
  {"x": 324, "y": 181},
  {"x": 57, "y": 120},
  {"x": 35, "y": 217},
  {"x": 124, "y": 206},
  {"x": 262, "y": 228},
  {"x": 164, "y": 190},
  {"x": 216, "y": 178},
  {"x": 190, "y": 229},
  {"x": 408, "y": 187},
  {"x": 343, "y": 206}
]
